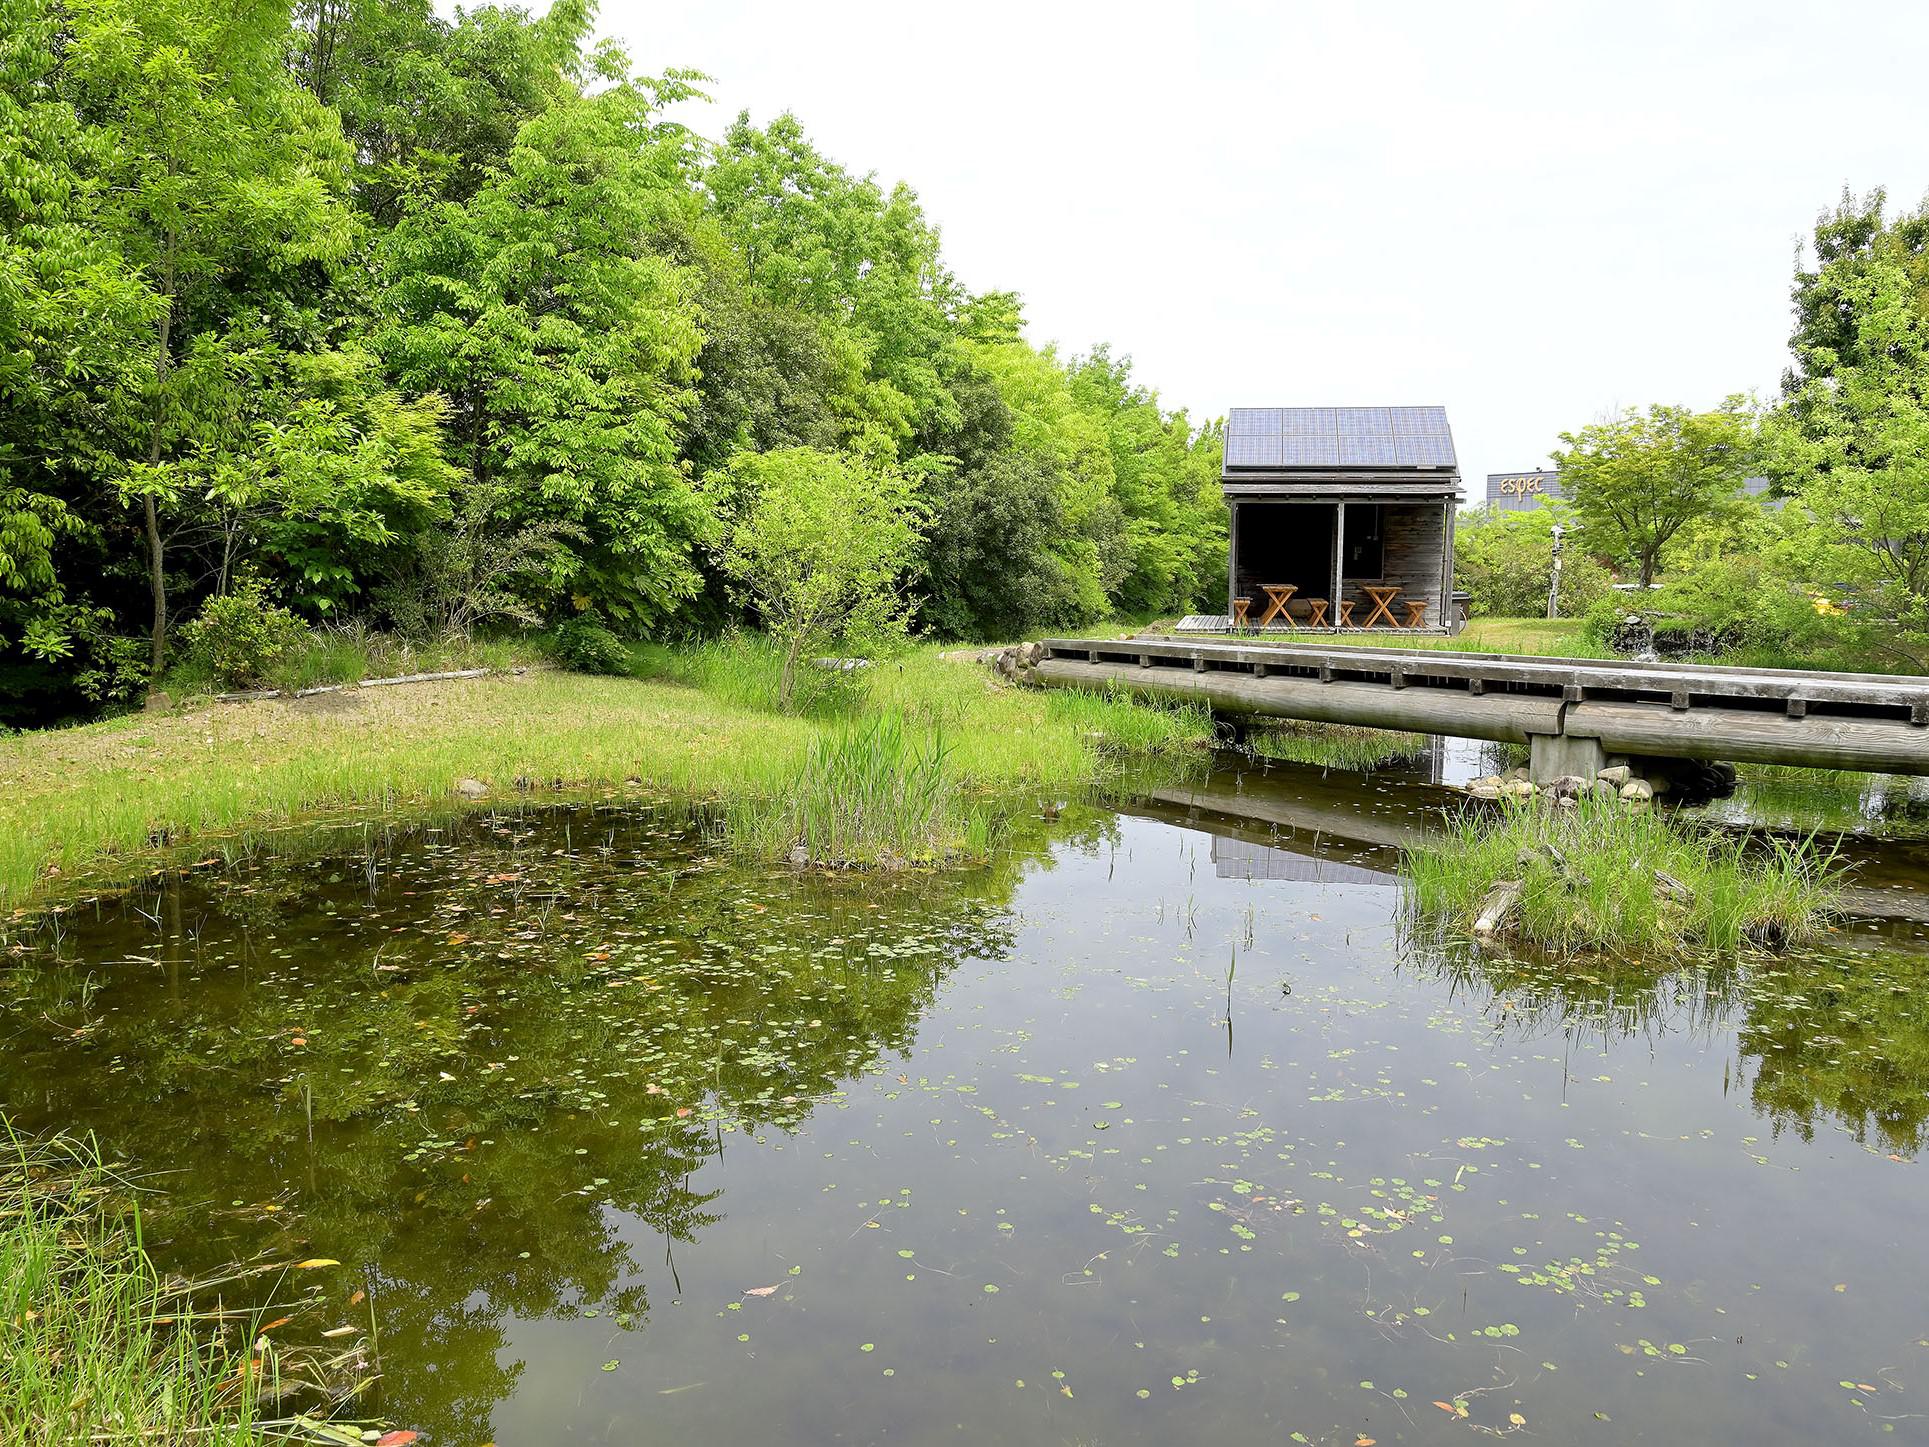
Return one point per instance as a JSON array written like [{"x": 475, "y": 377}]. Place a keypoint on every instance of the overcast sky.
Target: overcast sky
[{"x": 1528, "y": 213}]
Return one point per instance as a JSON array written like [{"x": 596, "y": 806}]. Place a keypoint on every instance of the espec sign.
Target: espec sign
[{"x": 1511, "y": 491}]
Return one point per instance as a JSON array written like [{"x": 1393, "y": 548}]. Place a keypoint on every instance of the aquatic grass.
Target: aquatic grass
[
  {"x": 1605, "y": 877},
  {"x": 867, "y": 794},
  {"x": 1336, "y": 746},
  {"x": 104, "y": 802},
  {"x": 97, "y": 1346}
]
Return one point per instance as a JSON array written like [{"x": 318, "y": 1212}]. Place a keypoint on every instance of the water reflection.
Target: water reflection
[
  {"x": 924, "y": 1159},
  {"x": 487, "y": 1066}
]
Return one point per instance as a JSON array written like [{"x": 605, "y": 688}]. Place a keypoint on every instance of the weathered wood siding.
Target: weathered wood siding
[{"x": 1413, "y": 558}]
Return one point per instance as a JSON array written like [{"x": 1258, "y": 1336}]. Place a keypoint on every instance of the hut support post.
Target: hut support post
[
  {"x": 1232, "y": 560},
  {"x": 1339, "y": 561}
]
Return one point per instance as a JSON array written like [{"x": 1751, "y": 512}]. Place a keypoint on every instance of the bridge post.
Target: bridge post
[{"x": 1554, "y": 756}]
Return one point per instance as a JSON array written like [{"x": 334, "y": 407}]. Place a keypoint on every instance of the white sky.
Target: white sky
[{"x": 1529, "y": 213}]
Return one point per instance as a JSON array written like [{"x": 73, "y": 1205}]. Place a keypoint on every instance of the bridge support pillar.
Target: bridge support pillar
[{"x": 1553, "y": 756}]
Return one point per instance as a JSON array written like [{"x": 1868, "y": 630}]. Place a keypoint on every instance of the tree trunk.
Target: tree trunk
[
  {"x": 157, "y": 585},
  {"x": 156, "y": 572},
  {"x": 787, "y": 679}
]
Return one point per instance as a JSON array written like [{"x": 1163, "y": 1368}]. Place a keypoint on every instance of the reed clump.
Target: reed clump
[
  {"x": 870, "y": 793},
  {"x": 1600, "y": 876},
  {"x": 96, "y": 1345}
]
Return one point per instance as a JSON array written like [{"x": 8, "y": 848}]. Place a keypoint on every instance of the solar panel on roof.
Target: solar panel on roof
[
  {"x": 1421, "y": 437},
  {"x": 1366, "y": 437},
  {"x": 1313, "y": 437},
  {"x": 1307, "y": 437}
]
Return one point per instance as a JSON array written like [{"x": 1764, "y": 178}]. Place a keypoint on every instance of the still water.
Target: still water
[{"x": 1164, "y": 1128}]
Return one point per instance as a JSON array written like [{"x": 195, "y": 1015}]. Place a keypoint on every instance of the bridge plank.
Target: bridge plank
[{"x": 1711, "y": 684}]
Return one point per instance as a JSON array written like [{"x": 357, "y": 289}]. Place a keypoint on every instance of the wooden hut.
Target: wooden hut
[{"x": 1346, "y": 511}]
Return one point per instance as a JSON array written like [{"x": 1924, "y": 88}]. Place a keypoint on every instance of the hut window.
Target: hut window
[{"x": 1365, "y": 556}]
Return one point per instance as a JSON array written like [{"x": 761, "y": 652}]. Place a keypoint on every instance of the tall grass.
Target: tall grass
[
  {"x": 869, "y": 793},
  {"x": 1606, "y": 877},
  {"x": 96, "y": 1346}
]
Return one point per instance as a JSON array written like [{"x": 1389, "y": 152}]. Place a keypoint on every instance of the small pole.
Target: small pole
[{"x": 1554, "y": 577}]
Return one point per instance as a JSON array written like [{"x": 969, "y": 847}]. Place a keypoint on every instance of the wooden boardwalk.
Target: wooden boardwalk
[{"x": 1570, "y": 711}]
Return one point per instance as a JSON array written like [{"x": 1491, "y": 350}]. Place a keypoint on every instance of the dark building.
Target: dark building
[
  {"x": 1519, "y": 491},
  {"x": 1344, "y": 505}
]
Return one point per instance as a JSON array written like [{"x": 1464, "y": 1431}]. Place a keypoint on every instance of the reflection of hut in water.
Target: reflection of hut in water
[{"x": 1243, "y": 859}]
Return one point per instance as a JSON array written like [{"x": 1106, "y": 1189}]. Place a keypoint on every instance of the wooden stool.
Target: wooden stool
[
  {"x": 1240, "y": 608},
  {"x": 1346, "y": 612},
  {"x": 1315, "y": 612},
  {"x": 1416, "y": 615}
]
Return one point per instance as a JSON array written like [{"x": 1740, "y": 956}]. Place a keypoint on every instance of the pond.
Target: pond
[{"x": 1164, "y": 1128}]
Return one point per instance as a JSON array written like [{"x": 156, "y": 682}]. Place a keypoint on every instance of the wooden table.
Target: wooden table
[
  {"x": 1280, "y": 594},
  {"x": 1382, "y": 599},
  {"x": 1315, "y": 612},
  {"x": 1240, "y": 608}
]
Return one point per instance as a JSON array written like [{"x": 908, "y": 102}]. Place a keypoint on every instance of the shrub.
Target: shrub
[
  {"x": 1505, "y": 560},
  {"x": 819, "y": 543},
  {"x": 584, "y": 644},
  {"x": 237, "y": 637}
]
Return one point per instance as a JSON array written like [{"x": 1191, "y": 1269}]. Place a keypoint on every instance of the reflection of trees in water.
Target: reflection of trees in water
[
  {"x": 477, "y": 1065},
  {"x": 1840, "y": 1038},
  {"x": 1845, "y": 1038}
]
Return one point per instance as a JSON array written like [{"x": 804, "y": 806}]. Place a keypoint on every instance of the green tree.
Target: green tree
[
  {"x": 1851, "y": 441},
  {"x": 838, "y": 247},
  {"x": 212, "y": 174},
  {"x": 820, "y": 544},
  {"x": 565, "y": 341},
  {"x": 433, "y": 105},
  {"x": 1637, "y": 479}
]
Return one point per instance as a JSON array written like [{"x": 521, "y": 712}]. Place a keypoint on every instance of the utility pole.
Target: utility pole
[{"x": 1554, "y": 577}]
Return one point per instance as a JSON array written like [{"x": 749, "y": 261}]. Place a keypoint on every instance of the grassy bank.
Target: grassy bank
[
  {"x": 96, "y": 1346},
  {"x": 1606, "y": 877},
  {"x": 101, "y": 800}
]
